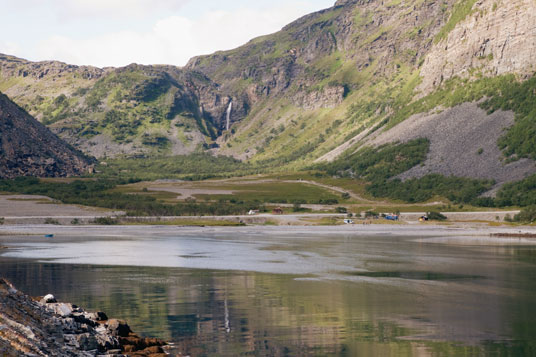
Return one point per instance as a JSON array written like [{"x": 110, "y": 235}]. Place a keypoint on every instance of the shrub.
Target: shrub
[
  {"x": 371, "y": 214},
  {"x": 436, "y": 216},
  {"x": 1, "y": 220},
  {"x": 105, "y": 221},
  {"x": 51, "y": 221},
  {"x": 521, "y": 193},
  {"x": 341, "y": 210},
  {"x": 527, "y": 215}
]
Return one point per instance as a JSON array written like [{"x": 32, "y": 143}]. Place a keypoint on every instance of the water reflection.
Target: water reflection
[{"x": 395, "y": 297}]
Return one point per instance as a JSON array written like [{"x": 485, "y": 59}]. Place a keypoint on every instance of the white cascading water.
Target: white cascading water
[{"x": 229, "y": 109}]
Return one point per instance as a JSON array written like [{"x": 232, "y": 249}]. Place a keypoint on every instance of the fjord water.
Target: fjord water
[{"x": 294, "y": 294}]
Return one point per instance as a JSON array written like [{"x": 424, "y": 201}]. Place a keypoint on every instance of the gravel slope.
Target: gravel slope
[{"x": 456, "y": 136}]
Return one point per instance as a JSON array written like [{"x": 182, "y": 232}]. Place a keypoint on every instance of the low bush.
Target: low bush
[
  {"x": 436, "y": 216},
  {"x": 527, "y": 215},
  {"x": 105, "y": 221}
]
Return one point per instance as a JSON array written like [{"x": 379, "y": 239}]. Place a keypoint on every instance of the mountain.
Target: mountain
[
  {"x": 28, "y": 148},
  {"x": 358, "y": 74},
  {"x": 131, "y": 110}
]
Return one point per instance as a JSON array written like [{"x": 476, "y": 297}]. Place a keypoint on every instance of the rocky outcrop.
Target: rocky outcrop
[
  {"x": 11, "y": 66},
  {"x": 498, "y": 37},
  {"x": 51, "y": 328},
  {"x": 28, "y": 148},
  {"x": 328, "y": 97}
]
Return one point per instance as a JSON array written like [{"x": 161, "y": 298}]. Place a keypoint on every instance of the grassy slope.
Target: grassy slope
[
  {"x": 293, "y": 136},
  {"x": 135, "y": 104}
]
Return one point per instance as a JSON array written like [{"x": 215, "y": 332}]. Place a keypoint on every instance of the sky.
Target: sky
[{"x": 119, "y": 32}]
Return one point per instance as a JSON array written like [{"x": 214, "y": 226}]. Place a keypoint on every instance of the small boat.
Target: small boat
[{"x": 49, "y": 235}]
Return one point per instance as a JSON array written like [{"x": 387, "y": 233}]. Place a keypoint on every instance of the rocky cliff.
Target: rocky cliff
[
  {"x": 28, "y": 148},
  {"x": 496, "y": 37}
]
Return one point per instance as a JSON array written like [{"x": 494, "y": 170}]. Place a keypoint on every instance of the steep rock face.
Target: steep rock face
[
  {"x": 27, "y": 148},
  {"x": 328, "y": 97},
  {"x": 327, "y": 61},
  {"x": 498, "y": 37}
]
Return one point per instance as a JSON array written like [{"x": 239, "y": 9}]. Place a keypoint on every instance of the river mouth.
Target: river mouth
[{"x": 238, "y": 293}]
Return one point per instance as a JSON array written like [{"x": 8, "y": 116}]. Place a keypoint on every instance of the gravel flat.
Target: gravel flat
[{"x": 30, "y": 206}]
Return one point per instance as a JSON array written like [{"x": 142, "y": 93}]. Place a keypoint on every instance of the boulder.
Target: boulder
[
  {"x": 63, "y": 309},
  {"x": 48, "y": 299},
  {"x": 118, "y": 328},
  {"x": 87, "y": 342}
]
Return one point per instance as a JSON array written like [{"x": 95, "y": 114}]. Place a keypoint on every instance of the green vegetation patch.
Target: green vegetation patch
[
  {"x": 460, "y": 11},
  {"x": 190, "y": 167},
  {"x": 380, "y": 164},
  {"x": 276, "y": 192},
  {"x": 520, "y": 97},
  {"x": 98, "y": 193},
  {"x": 527, "y": 215},
  {"x": 522, "y": 193},
  {"x": 456, "y": 189}
]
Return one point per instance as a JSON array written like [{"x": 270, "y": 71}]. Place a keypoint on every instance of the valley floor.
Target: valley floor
[{"x": 31, "y": 210}]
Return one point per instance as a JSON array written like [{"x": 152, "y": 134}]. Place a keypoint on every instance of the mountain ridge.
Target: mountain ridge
[{"x": 317, "y": 88}]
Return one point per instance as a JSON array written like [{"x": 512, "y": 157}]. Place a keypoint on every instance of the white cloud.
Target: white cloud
[
  {"x": 9, "y": 48},
  {"x": 71, "y": 10},
  {"x": 172, "y": 40}
]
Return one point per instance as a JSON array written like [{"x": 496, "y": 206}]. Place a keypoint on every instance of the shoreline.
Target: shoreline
[{"x": 415, "y": 230}]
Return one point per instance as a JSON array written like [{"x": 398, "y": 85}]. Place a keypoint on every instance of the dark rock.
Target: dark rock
[
  {"x": 87, "y": 342},
  {"x": 118, "y": 328},
  {"x": 82, "y": 319},
  {"x": 28, "y": 148}
]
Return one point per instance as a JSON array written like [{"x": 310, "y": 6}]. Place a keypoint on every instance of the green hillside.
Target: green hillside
[{"x": 339, "y": 85}]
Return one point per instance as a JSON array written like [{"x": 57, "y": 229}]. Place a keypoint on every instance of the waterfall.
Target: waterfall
[{"x": 229, "y": 110}]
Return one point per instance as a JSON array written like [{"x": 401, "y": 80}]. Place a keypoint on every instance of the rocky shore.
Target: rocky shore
[{"x": 49, "y": 328}]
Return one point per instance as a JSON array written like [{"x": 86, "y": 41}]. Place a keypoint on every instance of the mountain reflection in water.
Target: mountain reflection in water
[{"x": 395, "y": 297}]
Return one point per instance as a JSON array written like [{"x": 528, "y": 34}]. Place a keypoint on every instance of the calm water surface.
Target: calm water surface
[{"x": 251, "y": 294}]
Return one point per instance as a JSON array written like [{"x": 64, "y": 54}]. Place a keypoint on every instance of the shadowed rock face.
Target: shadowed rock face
[{"x": 28, "y": 148}]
